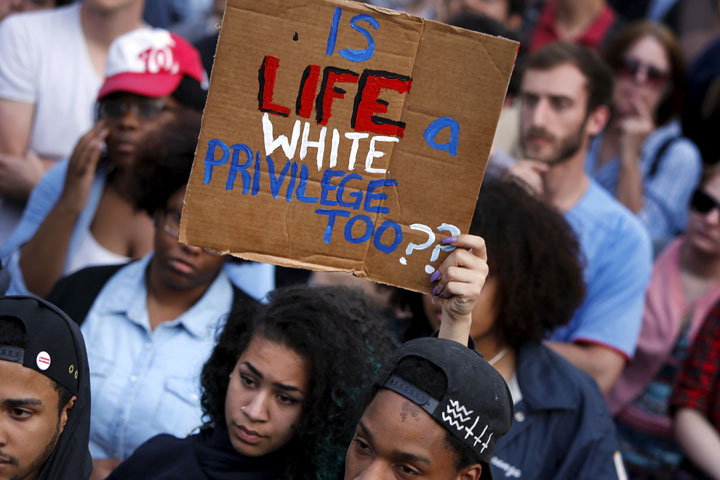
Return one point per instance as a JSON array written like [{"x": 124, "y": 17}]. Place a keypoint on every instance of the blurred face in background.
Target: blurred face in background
[
  {"x": 642, "y": 78},
  {"x": 703, "y": 228},
  {"x": 553, "y": 113},
  {"x": 181, "y": 267},
  {"x": 129, "y": 117},
  {"x": 496, "y": 9}
]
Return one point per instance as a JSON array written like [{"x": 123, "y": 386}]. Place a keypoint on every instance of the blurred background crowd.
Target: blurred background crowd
[{"x": 600, "y": 209}]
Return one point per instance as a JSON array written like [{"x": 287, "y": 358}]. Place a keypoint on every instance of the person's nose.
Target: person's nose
[
  {"x": 257, "y": 409},
  {"x": 713, "y": 216},
  {"x": 130, "y": 119},
  {"x": 376, "y": 470},
  {"x": 540, "y": 114},
  {"x": 641, "y": 75},
  {"x": 191, "y": 249}
]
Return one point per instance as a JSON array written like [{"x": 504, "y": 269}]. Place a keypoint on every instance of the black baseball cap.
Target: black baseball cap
[
  {"x": 476, "y": 408},
  {"x": 50, "y": 346}
]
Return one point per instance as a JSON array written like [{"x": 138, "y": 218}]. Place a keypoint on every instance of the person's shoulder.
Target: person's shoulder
[
  {"x": 241, "y": 299},
  {"x": 572, "y": 381},
  {"x": 157, "y": 456},
  {"x": 670, "y": 138},
  {"x": 560, "y": 378},
  {"x": 95, "y": 274},
  {"x": 76, "y": 293},
  {"x": 47, "y": 18},
  {"x": 163, "y": 445},
  {"x": 600, "y": 211}
]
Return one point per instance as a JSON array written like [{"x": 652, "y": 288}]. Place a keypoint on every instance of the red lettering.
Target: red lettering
[
  {"x": 367, "y": 103},
  {"x": 266, "y": 78},
  {"x": 308, "y": 86},
  {"x": 328, "y": 91}
]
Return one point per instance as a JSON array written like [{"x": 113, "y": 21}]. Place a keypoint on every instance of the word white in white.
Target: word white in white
[{"x": 289, "y": 146}]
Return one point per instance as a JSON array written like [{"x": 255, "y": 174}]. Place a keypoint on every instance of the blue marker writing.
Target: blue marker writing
[
  {"x": 357, "y": 55},
  {"x": 211, "y": 161},
  {"x": 434, "y": 128}
]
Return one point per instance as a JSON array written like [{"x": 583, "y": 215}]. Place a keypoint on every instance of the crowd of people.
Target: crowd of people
[{"x": 574, "y": 333}]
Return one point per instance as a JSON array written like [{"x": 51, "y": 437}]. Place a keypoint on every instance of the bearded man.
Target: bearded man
[{"x": 566, "y": 92}]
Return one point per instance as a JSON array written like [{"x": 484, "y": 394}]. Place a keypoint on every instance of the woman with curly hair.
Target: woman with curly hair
[
  {"x": 562, "y": 428},
  {"x": 280, "y": 391}
]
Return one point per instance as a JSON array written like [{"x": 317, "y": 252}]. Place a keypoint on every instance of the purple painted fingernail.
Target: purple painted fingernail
[
  {"x": 435, "y": 276},
  {"x": 449, "y": 240},
  {"x": 442, "y": 295},
  {"x": 434, "y": 290}
]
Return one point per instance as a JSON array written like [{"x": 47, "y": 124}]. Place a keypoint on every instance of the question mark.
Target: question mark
[
  {"x": 413, "y": 246},
  {"x": 445, "y": 227}
]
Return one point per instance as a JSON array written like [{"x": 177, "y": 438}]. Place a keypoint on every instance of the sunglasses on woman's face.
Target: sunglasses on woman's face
[
  {"x": 703, "y": 203},
  {"x": 632, "y": 68}
]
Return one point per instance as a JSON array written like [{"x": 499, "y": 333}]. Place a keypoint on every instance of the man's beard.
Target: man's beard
[
  {"x": 37, "y": 465},
  {"x": 569, "y": 145}
]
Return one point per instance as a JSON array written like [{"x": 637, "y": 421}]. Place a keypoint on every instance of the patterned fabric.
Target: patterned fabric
[{"x": 698, "y": 384}]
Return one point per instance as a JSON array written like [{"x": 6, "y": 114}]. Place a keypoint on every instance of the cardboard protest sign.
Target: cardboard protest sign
[{"x": 340, "y": 136}]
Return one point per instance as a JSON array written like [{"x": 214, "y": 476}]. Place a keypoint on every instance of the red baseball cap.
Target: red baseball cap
[{"x": 150, "y": 62}]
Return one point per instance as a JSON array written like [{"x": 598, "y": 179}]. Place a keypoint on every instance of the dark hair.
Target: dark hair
[
  {"x": 534, "y": 256},
  {"x": 672, "y": 104},
  {"x": 419, "y": 371},
  {"x": 597, "y": 73},
  {"x": 164, "y": 161},
  {"x": 190, "y": 94},
  {"x": 12, "y": 334},
  {"x": 345, "y": 341},
  {"x": 709, "y": 172}
]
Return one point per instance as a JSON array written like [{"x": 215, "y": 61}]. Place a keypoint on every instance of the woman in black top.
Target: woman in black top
[{"x": 280, "y": 392}]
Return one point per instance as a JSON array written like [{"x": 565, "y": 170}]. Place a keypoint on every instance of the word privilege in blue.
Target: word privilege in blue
[{"x": 351, "y": 192}]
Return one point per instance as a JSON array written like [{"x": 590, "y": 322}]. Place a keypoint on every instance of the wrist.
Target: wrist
[
  {"x": 455, "y": 327},
  {"x": 69, "y": 204}
]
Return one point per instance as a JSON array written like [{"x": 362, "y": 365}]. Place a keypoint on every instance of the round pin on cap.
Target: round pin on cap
[{"x": 43, "y": 360}]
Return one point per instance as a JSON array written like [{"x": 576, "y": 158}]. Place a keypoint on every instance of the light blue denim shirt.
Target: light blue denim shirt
[{"x": 145, "y": 382}]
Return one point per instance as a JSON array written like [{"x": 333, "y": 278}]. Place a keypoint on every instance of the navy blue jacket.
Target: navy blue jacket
[{"x": 562, "y": 428}]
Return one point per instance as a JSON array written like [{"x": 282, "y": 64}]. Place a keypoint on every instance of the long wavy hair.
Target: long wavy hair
[{"x": 345, "y": 342}]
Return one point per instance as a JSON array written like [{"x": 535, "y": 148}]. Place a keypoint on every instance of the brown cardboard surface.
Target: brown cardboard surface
[{"x": 421, "y": 185}]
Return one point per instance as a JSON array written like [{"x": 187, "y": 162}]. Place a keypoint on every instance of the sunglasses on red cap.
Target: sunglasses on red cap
[
  {"x": 703, "y": 203},
  {"x": 630, "y": 67}
]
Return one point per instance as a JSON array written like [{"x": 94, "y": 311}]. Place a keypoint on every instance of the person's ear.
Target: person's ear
[
  {"x": 597, "y": 120},
  {"x": 66, "y": 412},
  {"x": 472, "y": 472}
]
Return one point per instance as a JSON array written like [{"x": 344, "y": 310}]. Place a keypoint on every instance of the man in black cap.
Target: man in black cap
[
  {"x": 438, "y": 407},
  {"x": 44, "y": 393},
  {"x": 437, "y": 412}
]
